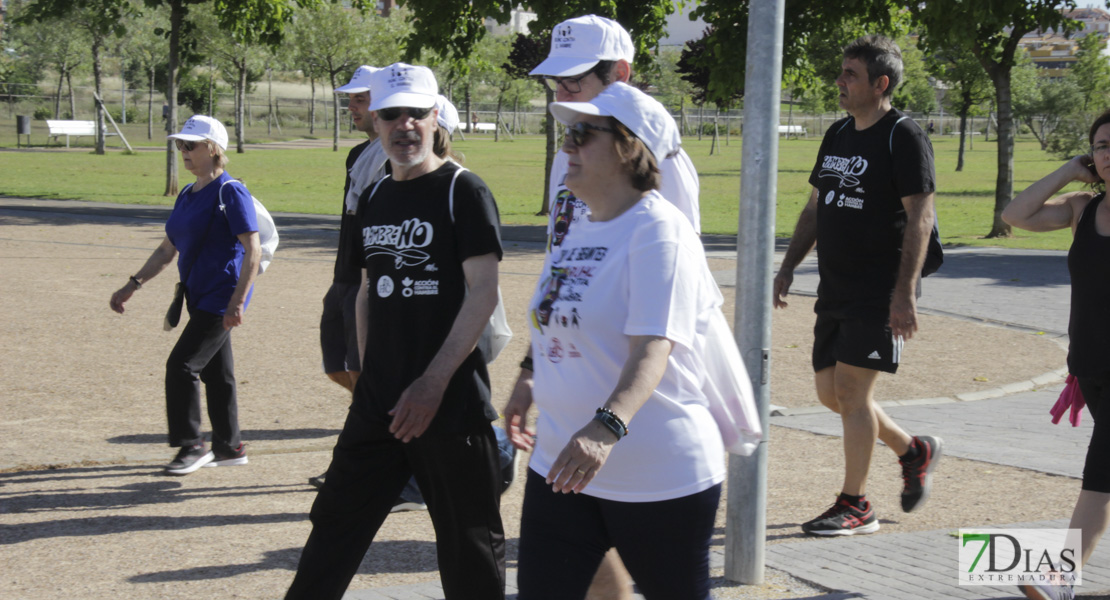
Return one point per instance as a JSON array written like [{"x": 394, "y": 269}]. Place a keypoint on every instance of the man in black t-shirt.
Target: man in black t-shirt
[
  {"x": 870, "y": 215},
  {"x": 430, "y": 246}
]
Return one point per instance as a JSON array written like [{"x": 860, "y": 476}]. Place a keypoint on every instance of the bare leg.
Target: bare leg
[
  {"x": 612, "y": 581},
  {"x": 1091, "y": 514},
  {"x": 889, "y": 432}
]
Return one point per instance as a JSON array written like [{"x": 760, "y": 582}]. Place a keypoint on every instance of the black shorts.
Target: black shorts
[
  {"x": 860, "y": 342},
  {"x": 338, "y": 332}
]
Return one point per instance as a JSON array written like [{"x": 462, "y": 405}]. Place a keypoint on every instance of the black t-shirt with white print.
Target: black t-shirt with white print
[
  {"x": 861, "y": 178},
  {"x": 413, "y": 254}
]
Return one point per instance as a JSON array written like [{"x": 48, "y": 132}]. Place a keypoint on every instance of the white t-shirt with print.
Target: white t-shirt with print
[
  {"x": 679, "y": 186},
  {"x": 642, "y": 273}
]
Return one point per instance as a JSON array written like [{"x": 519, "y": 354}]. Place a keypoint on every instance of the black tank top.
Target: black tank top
[{"x": 1089, "y": 326}]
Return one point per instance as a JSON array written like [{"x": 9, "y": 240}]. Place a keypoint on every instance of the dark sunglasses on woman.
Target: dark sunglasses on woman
[
  {"x": 185, "y": 145},
  {"x": 579, "y": 133},
  {"x": 394, "y": 112}
]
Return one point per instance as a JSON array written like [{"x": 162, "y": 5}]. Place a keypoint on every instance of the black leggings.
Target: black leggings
[
  {"x": 664, "y": 545},
  {"x": 1096, "y": 470}
]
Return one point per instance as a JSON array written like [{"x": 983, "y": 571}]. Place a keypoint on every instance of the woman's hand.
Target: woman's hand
[
  {"x": 121, "y": 296},
  {"x": 516, "y": 413},
  {"x": 581, "y": 458},
  {"x": 1083, "y": 167},
  {"x": 233, "y": 316}
]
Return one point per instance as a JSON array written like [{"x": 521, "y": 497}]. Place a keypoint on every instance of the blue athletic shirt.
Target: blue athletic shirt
[{"x": 217, "y": 258}]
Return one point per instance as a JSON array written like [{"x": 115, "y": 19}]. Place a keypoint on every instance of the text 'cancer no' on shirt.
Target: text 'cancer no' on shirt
[
  {"x": 413, "y": 256},
  {"x": 207, "y": 241},
  {"x": 861, "y": 178},
  {"x": 643, "y": 273}
]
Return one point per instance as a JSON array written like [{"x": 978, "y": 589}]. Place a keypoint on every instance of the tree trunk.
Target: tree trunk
[
  {"x": 150, "y": 106},
  {"x": 269, "y": 101},
  {"x": 97, "y": 75},
  {"x": 72, "y": 97},
  {"x": 122, "y": 95},
  {"x": 312, "y": 108},
  {"x": 550, "y": 155},
  {"x": 177, "y": 18},
  {"x": 965, "y": 106},
  {"x": 713, "y": 146},
  {"x": 58, "y": 96},
  {"x": 211, "y": 85},
  {"x": 682, "y": 116},
  {"x": 240, "y": 101},
  {"x": 497, "y": 120},
  {"x": 468, "y": 118},
  {"x": 334, "y": 115},
  {"x": 700, "y": 107},
  {"x": 1004, "y": 184}
]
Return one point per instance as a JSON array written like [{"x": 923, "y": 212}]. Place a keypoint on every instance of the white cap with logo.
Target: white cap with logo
[
  {"x": 201, "y": 127},
  {"x": 360, "y": 81},
  {"x": 448, "y": 115},
  {"x": 403, "y": 85},
  {"x": 643, "y": 115},
  {"x": 578, "y": 44}
]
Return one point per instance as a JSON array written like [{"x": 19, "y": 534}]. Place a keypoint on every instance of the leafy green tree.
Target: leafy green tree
[
  {"x": 146, "y": 53},
  {"x": 329, "y": 38},
  {"x": 60, "y": 44},
  {"x": 1091, "y": 71},
  {"x": 915, "y": 94},
  {"x": 1041, "y": 103},
  {"x": 242, "y": 61},
  {"x": 968, "y": 87},
  {"x": 991, "y": 31}
]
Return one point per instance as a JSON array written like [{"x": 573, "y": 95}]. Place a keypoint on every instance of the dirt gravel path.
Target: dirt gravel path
[{"x": 85, "y": 513}]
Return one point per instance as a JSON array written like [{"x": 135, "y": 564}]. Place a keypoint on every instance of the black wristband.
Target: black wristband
[
  {"x": 610, "y": 420},
  {"x": 527, "y": 363},
  {"x": 138, "y": 284}
]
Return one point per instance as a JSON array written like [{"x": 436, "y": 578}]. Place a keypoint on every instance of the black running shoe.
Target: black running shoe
[
  {"x": 844, "y": 519},
  {"x": 917, "y": 474},
  {"x": 226, "y": 457},
  {"x": 189, "y": 459},
  {"x": 402, "y": 505}
]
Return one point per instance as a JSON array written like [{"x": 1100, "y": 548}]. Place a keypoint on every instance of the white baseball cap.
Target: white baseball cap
[
  {"x": 360, "y": 81},
  {"x": 643, "y": 115},
  {"x": 201, "y": 127},
  {"x": 448, "y": 115},
  {"x": 403, "y": 85},
  {"x": 580, "y": 43}
]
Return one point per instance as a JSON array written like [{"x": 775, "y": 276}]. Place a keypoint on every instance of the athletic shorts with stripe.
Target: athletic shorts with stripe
[{"x": 860, "y": 342}]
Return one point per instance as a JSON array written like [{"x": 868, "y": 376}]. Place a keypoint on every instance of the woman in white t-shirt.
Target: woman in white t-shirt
[{"x": 618, "y": 322}]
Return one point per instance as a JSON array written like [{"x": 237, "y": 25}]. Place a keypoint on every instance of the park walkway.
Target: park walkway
[{"x": 1026, "y": 290}]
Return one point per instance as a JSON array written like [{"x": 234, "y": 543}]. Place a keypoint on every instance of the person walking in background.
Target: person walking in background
[
  {"x": 870, "y": 215},
  {"x": 213, "y": 230},
  {"x": 626, "y": 452},
  {"x": 1087, "y": 214},
  {"x": 430, "y": 246}
]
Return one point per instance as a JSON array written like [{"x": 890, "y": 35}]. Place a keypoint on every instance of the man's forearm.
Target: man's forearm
[{"x": 915, "y": 242}]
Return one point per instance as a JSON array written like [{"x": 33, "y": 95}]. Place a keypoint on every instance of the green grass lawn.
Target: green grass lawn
[{"x": 311, "y": 181}]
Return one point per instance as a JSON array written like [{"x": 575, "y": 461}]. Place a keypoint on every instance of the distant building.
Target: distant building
[
  {"x": 1053, "y": 53},
  {"x": 518, "y": 23}
]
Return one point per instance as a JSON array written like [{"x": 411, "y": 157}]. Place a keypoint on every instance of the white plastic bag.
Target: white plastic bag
[{"x": 729, "y": 390}]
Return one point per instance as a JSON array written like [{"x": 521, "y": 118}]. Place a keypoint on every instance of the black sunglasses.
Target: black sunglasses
[
  {"x": 394, "y": 112},
  {"x": 185, "y": 145},
  {"x": 572, "y": 85},
  {"x": 579, "y": 133}
]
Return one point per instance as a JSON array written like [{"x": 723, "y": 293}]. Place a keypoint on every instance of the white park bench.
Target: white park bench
[
  {"x": 72, "y": 128},
  {"x": 792, "y": 130}
]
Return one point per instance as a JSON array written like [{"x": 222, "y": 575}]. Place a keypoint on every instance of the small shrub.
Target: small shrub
[{"x": 43, "y": 113}]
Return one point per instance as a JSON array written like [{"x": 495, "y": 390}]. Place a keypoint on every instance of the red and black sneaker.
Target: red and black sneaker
[
  {"x": 844, "y": 519},
  {"x": 228, "y": 457},
  {"x": 917, "y": 473}
]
